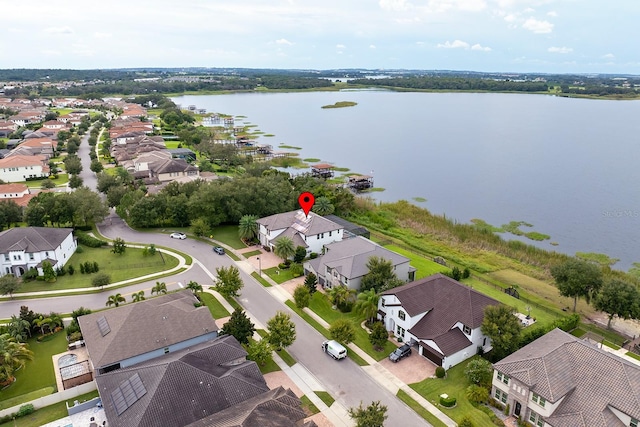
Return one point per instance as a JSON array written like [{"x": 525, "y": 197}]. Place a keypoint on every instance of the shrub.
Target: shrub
[
  {"x": 82, "y": 268},
  {"x": 466, "y": 422},
  {"x": 300, "y": 255},
  {"x": 283, "y": 266},
  {"x": 448, "y": 402},
  {"x": 79, "y": 249},
  {"x": 313, "y": 255},
  {"x": 440, "y": 372},
  {"x": 75, "y": 336},
  {"x": 87, "y": 240},
  {"x": 297, "y": 270},
  {"x": 507, "y": 409},
  {"x": 96, "y": 268},
  {"x": 71, "y": 269},
  {"x": 466, "y": 273},
  {"x": 25, "y": 410},
  {"x": 477, "y": 394}
]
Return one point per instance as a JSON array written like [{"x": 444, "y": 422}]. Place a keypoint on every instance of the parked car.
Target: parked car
[
  {"x": 180, "y": 236},
  {"x": 400, "y": 353},
  {"x": 219, "y": 250}
]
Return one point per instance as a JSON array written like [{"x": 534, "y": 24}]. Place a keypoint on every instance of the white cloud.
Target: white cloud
[
  {"x": 538, "y": 27},
  {"x": 552, "y": 13},
  {"x": 99, "y": 35},
  {"x": 481, "y": 48},
  {"x": 457, "y": 44},
  {"x": 609, "y": 56},
  {"x": 51, "y": 52},
  {"x": 284, "y": 41},
  {"x": 396, "y": 5},
  {"x": 529, "y": 10},
  {"x": 563, "y": 49},
  {"x": 372, "y": 46},
  {"x": 58, "y": 30},
  {"x": 340, "y": 46},
  {"x": 511, "y": 17}
]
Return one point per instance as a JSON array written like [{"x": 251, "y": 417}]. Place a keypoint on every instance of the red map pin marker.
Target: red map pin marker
[{"x": 306, "y": 201}]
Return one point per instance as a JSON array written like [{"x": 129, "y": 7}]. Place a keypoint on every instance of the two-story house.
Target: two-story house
[
  {"x": 23, "y": 248},
  {"x": 439, "y": 315},
  {"x": 20, "y": 168},
  {"x": 345, "y": 263},
  {"x": 559, "y": 380},
  {"x": 19, "y": 193},
  {"x": 311, "y": 232},
  {"x": 135, "y": 333}
]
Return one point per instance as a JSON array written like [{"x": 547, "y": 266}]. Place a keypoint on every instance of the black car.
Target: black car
[
  {"x": 400, "y": 352},
  {"x": 219, "y": 250}
]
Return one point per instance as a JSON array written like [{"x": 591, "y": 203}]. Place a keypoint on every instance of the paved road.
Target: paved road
[
  {"x": 344, "y": 380},
  {"x": 88, "y": 177}
]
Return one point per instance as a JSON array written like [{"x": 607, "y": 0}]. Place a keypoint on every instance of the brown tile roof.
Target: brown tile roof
[
  {"x": 13, "y": 188},
  {"x": 20, "y": 161},
  {"x": 145, "y": 326},
  {"x": 452, "y": 341},
  {"x": 591, "y": 380}
]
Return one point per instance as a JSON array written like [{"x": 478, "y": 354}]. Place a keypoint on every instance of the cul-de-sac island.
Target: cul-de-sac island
[{"x": 158, "y": 270}]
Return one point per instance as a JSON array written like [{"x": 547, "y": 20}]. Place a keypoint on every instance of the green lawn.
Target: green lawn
[
  {"x": 252, "y": 253},
  {"x": 228, "y": 234},
  {"x": 62, "y": 179},
  {"x": 38, "y": 373},
  {"x": 40, "y": 417},
  {"x": 322, "y": 307},
  {"x": 130, "y": 265},
  {"x": 425, "y": 266},
  {"x": 633, "y": 355},
  {"x": 261, "y": 280},
  {"x": 325, "y": 397},
  {"x": 217, "y": 310},
  {"x": 420, "y": 410},
  {"x": 279, "y": 276},
  {"x": 454, "y": 385},
  {"x": 308, "y": 406}
]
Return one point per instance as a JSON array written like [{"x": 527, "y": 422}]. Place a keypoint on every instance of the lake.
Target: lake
[{"x": 566, "y": 166}]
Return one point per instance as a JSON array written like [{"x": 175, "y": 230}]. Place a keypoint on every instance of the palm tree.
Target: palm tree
[
  {"x": 248, "y": 227},
  {"x": 284, "y": 248},
  {"x": 19, "y": 329},
  {"x": 367, "y": 304},
  {"x": 12, "y": 356},
  {"x": 42, "y": 323},
  {"x": 138, "y": 296},
  {"x": 323, "y": 206},
  {"x": 194, "y": 286},
  {"x": 159, "y": 288},
  {"x": 340, "y": 295},
  {"x": 115, "y": 300}
]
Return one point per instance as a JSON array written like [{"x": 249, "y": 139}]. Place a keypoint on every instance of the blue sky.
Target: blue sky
[{"x": 556, "y": 36}]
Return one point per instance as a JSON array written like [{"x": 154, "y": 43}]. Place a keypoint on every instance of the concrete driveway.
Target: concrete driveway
[{"x": 412, "y": 369}]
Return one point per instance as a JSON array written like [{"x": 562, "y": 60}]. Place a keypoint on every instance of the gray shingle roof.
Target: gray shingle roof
[
  {"x": 32, "y": 239},
  {"x": 309, "y": 226},
  {"x": 590, "y": 379},
  {"x": 145, "y": 326},
  {"x": 452, "y": 341},
  {"x": 350, "y": 257},
  {"x": 185, "y": 386},
  {"x": 447, "y": 302}
]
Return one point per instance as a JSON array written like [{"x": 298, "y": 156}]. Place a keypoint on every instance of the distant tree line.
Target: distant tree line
[{"x": 455, "y": 83}]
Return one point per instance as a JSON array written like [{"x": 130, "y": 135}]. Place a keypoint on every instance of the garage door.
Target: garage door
[{"x": 431, "y": 354}]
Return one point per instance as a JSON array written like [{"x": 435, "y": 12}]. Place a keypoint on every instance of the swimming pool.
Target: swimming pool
[{"x": 67, "y": 360}]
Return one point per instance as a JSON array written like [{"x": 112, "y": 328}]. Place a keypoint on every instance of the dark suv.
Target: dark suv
[{"x": 400, "y": 352}]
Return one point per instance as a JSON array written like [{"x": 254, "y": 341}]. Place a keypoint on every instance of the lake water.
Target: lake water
[{"x": 567, "y": 166}]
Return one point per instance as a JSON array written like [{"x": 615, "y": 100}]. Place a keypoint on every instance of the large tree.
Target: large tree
[
  {"x": 342, "y": 297},
  {"x": 479, "y": 371},
  {"x": 13, "y": 355},
  {"x": 373, "y": 415},
  {"x": 503, "y": 327},
  {"x": 367, "y": 304},
  {"x": 342, "y": 330},
  {"x": 229, "y": 281},
  {"x": 282, "y": 331},
  {"x": 239, "y": 325},
  {"x": 618, "y": 298},
  {"x": 380, "y": 276},
  {"x": 577, "y": 279},
  {"x": 159, "y": 288}
]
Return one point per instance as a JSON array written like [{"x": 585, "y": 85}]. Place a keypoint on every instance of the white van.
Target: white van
[{"x": 334, "y": 349}]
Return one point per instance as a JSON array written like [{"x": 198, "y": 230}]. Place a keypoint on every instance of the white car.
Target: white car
[{"x": 180, "y": 236}]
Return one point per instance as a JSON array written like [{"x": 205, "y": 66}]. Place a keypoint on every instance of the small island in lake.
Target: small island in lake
[{"x": 341, "y": 104}]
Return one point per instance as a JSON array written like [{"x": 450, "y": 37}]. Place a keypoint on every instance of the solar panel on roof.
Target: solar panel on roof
[
  {"x": 103, "y": 325},
  {"x": 128, "y": 393}
]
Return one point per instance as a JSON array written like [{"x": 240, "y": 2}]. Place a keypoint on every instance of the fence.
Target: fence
[{"x": 60, "y": 396}]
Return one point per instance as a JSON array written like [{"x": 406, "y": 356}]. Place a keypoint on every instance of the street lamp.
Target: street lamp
[{"x": 259, "y": 267}]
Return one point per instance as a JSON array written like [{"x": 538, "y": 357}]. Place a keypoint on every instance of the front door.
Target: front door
[{"x": 516, "y": 410}]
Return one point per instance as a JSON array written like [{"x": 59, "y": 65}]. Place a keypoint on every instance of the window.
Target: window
[
  {"x": 400, "y": 331},
  {"x": 6, "y": 257},
  {"x": 536, "y": 419},
  {"x": 31, "y": 257},
  {"x": 330, "y": 234},
  {"x": 501, "y": 395},
  {"x": 466, "y": 329},
  {"x": 634, "y": 423},
  {"x": 328, "y": 269},
  {"x": 382, "y": 299},
  {"x": 346, "y": 281},
  {"x": 401, "y": 315},
  {"x": 502, "y": 377},
  {"x": 484, "y": 341},
  {"x": 166, "y": 350},
  {"x": 538, "y": 399},
  {"x": 318, "y": 237}
]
